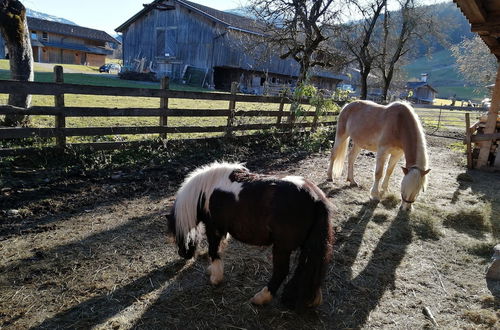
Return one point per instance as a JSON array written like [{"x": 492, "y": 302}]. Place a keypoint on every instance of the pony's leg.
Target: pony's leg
[
  {"x": 216, "y": 268},
  {"x": 281, "y": 265},
  {"x": 379, "y": 169},
  {"x": 353, "y": 154},
  {"x": 393, "y": 160}
]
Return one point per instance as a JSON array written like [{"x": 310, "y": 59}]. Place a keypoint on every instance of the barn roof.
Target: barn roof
[
  {"x": 484, "y": 17},
  {"x": 37, "y": 24},
  {"x": 419, "y": 84},
  {"x": 231, "y": 21}
]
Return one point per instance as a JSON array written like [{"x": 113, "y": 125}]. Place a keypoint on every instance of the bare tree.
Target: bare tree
[
  {"x": 15, "y": 32},
  {"x": 401, "y": 29},
  {"x": 358, "y": 38},
  {"x": 300, "y": 29},
  {"x": 475, "y": 61}
]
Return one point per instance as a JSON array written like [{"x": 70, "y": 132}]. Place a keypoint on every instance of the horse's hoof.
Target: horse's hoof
[
  {"x": 353, "y": 183},
  {"x": 262, "y": 297},
  {"x": 216, "y": 271},
  {"x": 329, "y": 179}
]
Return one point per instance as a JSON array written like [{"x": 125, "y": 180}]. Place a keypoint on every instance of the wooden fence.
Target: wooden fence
[
  {"x": 61, "y": 112},
  {"x": 446, "y": 116}
]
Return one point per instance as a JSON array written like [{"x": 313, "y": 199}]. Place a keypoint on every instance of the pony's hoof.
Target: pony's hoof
[
  {"x": 317, "y": 300},
  {"x": 352, "y": 183},
  {"x": 262, "y": 297},
  {"x": 216, "y": 271}
]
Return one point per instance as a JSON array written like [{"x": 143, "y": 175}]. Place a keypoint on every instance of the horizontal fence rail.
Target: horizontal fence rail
[{"x": 284, "y": 120}]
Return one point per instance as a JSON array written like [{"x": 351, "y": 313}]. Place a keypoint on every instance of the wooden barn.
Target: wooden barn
[
  {"x": 199, "y": 45},
  {"x": 55, "y": 42}
]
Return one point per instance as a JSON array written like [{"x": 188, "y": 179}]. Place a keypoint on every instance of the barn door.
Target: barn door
[{"x": 160, "y": 42}]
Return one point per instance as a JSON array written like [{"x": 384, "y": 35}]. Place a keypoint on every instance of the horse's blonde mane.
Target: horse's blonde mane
[{"x": 202, "y": 181}]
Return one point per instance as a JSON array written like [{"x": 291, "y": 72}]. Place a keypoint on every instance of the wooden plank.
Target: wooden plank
[
  {"x": 19, "y": 132},
  {"x": 468, "y": 141},
  {"x": 44, "y": 88},
  {"x": 280, "y": 112},
  {"x": 60, "y": 119},
  {"x": 447, "y": 107},
  {"x": 485, "y": 137}
]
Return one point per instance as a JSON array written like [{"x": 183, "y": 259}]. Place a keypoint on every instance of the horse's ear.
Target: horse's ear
[
  {"x": 424, "y": 172},
  {"x": 405, "y": 170}
]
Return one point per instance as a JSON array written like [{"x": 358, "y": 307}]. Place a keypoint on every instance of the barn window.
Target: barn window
[
  {"x": 34, "y": 35},
  {"x": 45, "y": 36},
  {"x": 160, "y": 42}
]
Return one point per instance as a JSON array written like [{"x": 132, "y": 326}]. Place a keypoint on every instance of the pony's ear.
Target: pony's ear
[
  {"x": 424, "y": 172},
  {"x": 405, "y": 170}
]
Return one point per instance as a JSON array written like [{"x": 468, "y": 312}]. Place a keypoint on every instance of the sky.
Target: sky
[{"x": 107, "y": 15}]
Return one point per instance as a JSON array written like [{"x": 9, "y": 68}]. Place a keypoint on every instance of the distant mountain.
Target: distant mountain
[{"x": 47, "y": 17}]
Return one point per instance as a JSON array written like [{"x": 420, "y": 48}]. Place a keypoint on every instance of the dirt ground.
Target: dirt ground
[{"x": 92, "y": 252}]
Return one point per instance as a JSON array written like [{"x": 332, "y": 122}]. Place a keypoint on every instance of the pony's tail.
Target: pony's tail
[
  {"x": 304, "y": 288},
  {"x": 339, "y": 152}
]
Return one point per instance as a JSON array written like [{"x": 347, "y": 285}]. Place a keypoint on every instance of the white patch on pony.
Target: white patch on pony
[
  {"x": 262, "y": 297},
  {"x": 296, "y": 180},
  {"x": 216, "y": 271},
  {"x": 202, "y": 182}
]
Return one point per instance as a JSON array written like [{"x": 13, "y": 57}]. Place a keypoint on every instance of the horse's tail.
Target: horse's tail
[
  {"x": 339, "y": 150},
  {"x": 304, "y": 288}
]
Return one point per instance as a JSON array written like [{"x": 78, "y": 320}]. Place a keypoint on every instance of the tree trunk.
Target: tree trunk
[
  {"x": 14, "y": 29},
  {"x": 364, "y": 84}
]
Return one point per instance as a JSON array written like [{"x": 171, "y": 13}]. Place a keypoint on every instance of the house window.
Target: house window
[
  {"x": 45, "y": 36},
  {"x": 34, "y": 35}
]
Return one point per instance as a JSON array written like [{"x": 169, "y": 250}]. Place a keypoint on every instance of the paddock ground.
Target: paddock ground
[{"x": 92, "y": 252}]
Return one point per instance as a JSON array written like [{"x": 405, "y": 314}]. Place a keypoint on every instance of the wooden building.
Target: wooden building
[
  {"x": 484, "y": 17},
  {"x": 55, "y": 42},
  {"x": 202, "y": 46}
]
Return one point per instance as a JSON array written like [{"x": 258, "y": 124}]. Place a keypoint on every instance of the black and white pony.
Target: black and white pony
[{"x": 289, "y": 213}]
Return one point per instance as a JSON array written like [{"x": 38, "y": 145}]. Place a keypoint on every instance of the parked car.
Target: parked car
[{"x": 110, "y": 67}]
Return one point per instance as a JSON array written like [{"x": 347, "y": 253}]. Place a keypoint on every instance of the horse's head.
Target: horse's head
[
  {"x": 186, "y": 250},
  {"x": 413, "y": 182}
]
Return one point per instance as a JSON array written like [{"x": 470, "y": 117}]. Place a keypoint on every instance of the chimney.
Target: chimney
[{"x": 423, "y": 77}]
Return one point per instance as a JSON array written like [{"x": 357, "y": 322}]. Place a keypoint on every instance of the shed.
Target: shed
[
  {"x": 484, "y": 17},
  {"x": 421, "y": 92},
  {"x": 203, "y": 46}
]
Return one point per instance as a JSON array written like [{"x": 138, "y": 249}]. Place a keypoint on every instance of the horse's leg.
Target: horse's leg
[
  {"x": 216, "y": 268},
  {"x": 353, "y": 154},
  {"x": 393, "y": 160},
  {"x": 379, "y": 169},
  {"x": 281, "y": 265}
]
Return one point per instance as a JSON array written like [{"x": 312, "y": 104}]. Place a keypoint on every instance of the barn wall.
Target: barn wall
[
  {"x": 2, "y": 48},
  {"x": 171, "y": 40}
]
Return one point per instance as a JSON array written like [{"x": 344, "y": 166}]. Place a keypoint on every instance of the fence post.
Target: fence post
[
  {"x": 232, "y": 107},
  {"x": 468, "y": 141},
  {"x": 315, "y": 119},
  {"x": 60, "y": 120},
  {"x": 280, "y": 115},
  {"x": 165, "y": 85}
]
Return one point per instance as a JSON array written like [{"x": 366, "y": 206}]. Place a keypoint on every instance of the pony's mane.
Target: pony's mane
[
  {"x": 201, "y": 182},
  {"x": 421, "y": 157}
]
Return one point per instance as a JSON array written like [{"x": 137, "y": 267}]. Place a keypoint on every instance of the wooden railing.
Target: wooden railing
[{"x": 61, "y": 112}]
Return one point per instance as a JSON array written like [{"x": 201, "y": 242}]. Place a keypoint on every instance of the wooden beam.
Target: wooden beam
[
  {"x": 491, "y": 123},
  {"x": 473, "y": 10}
]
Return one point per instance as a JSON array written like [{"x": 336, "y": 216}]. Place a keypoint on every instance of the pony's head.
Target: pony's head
[
  {"x": 414, "y": 181},
  {"x": 186, "y": 247}
]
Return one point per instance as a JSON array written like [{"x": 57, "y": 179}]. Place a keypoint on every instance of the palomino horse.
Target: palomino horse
[
  {"x": 290, "y": 213},
  {"x": 389, "y": 130}
]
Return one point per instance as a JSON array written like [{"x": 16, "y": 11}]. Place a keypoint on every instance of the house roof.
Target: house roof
[
  {"x": 37, "y": 24},
  {"x": 231, "y": 21},
  {"x": 483, "y": 15},
  {"x": 419, "y": 84}
]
